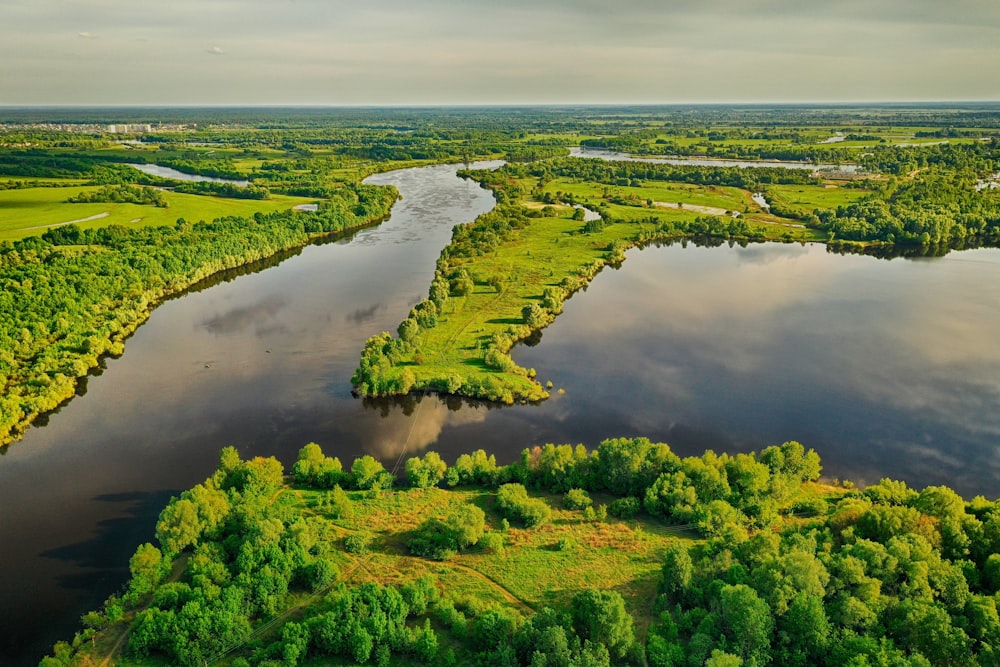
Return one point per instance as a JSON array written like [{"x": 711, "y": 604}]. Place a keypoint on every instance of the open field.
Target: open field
[
  {"x": 809, "y": 197},
  {"x": 30, "y": 211}
]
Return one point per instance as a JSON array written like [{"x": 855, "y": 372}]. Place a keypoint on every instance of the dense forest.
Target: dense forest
[{"x": 761, "y": 566}]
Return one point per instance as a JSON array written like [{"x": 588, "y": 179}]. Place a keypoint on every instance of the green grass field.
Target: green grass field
[
  {"x": 533, "y": 571},
  {"x": 30, "y": 211},
  {"x": 810, "y": 197}
]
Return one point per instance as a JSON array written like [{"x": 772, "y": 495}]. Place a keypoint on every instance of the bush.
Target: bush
[
  {"x": 514, "y": 503},
  {"x": 492, "y": 543},
  {"x": 577, "y": 499},
  {"x": 357, "y": 543},
  {"x": 440, "y": 539},
  {"x": 625, "y": 508}
]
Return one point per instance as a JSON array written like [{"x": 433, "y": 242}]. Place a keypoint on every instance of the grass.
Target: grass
[
  {"x": 532, "y": 572},
  {"x": 810, "y": 197},
  {"x": 29, "y": 211}
]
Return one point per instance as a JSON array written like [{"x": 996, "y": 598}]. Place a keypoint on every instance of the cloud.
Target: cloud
[{"x": 443, "y": 51}]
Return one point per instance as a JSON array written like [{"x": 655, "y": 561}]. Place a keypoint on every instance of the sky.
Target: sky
[{"x": 431, "y": 52}]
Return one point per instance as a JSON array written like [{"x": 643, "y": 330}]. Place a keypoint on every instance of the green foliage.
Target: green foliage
[
  {"x": 577, "y": 499},
  {"x": 121, "y": 194},
  {"x": 442, "y": 538},
  {"x": 600, "y": 616},
  {"x": 357, "y": 543},
  {"x": 316, "y": 470},
  {"x": 624, "y": 508},
  {"x": 427, "y": 472},
  {"x": 475, "y": 468},
  {"x": 514, "y": 503},
  {"x": 534, "y": 316},
  {"x": 369, "y": 473}
]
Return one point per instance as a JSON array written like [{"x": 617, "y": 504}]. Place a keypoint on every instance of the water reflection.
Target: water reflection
[
  {"x": 260, "y": 315},
  {"x": 888, "y": 368}
]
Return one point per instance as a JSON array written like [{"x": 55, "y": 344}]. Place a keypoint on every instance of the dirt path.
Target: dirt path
[
  {"x": 175, "y": 573},
  {"x": 70, "y": 222},
  {"x": 697, "y": 208}
]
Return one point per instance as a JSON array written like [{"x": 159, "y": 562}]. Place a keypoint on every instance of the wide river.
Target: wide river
[{"x": 887, "y": 368}]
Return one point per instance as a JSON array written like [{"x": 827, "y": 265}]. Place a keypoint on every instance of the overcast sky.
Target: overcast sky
[{"x": 503, "y": 51}]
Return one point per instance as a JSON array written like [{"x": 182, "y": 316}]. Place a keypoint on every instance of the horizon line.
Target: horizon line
[{"x": 480, "y": 105}]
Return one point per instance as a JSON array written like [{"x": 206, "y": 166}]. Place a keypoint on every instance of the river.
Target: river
[{"x": 886, "y": 367}]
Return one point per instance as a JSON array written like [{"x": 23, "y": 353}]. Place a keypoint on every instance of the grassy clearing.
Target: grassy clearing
[
  {"x": 29, "y": 211},
  {"x": 542, "y": 566},
  {"x": 810, "y": 197},
  {"x": 728, "y": 198}
]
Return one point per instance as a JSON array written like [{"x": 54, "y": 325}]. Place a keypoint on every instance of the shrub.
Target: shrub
[
  {"x": 357, "y": 543},
  {"x": 625, "y": 508},
  {"x": 577, "y": 499},
  {"x": 514, "y": 503},
  {"x": 440, "y": 539}
]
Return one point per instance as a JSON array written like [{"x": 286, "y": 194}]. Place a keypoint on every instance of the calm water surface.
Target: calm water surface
[
  {"x": 886, "y": 367},
  {"x": 167, "y": 172}
]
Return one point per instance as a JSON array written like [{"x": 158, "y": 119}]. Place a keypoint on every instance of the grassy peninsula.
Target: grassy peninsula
[
  {"x": 506, "y": 275},
  {"x": 625, "y": 555}
]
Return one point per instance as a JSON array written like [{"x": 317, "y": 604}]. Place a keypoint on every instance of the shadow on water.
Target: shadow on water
[
  {"x": 102, "y": 552},
  {"x": 93, "y": 567},
  {"x": 407, "y": 405}
]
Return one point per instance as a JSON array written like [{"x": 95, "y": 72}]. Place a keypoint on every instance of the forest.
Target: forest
[{"x": 715, "y": 560}]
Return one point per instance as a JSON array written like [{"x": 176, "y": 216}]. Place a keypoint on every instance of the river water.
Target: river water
[
  {"x": 167, "y": 172},
  {"x": 885, "y": 367}
]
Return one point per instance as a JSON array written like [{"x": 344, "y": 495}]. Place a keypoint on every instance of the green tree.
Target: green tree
[
  {"x": 179, "y": 526},
  {"x": 427, "y": 472},
  {"x": 366, "y": 472},
  {"x": 748, "y": 621},
  {"x": 534, "y": 315},
  {"x": 600, "y": 616}
]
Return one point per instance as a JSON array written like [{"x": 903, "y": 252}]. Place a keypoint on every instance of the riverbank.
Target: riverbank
[{"x": 74, "y": 296}]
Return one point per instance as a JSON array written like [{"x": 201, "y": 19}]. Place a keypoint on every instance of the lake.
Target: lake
[{"x": 887, "y": 368}]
